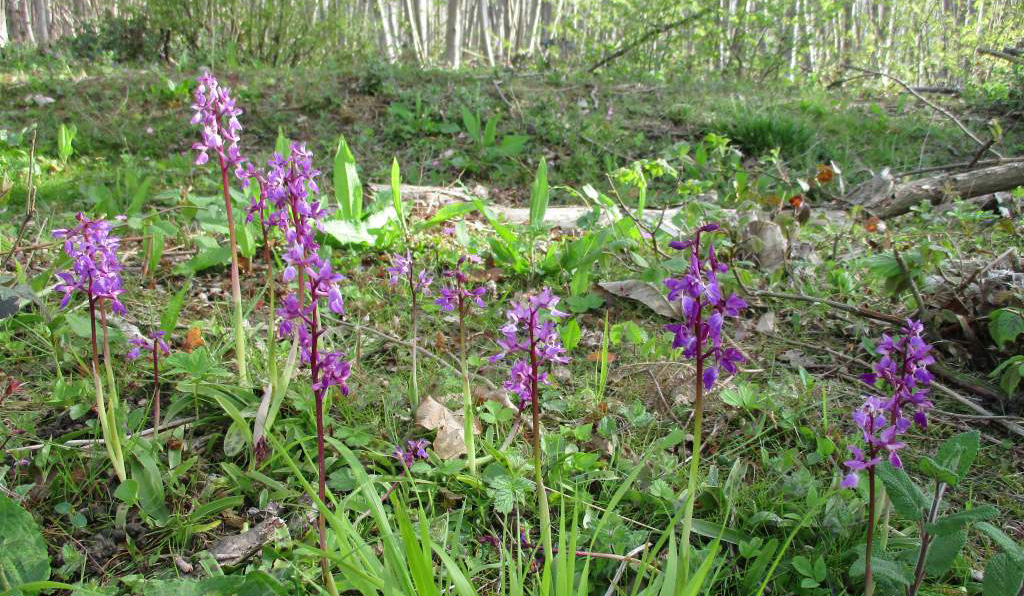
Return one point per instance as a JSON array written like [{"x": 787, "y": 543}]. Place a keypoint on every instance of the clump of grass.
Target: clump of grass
[{"x": 759, "y": 133}]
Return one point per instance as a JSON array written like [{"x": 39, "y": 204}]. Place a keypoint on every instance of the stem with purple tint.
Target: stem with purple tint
[
  {"x": 105, "y": 413},
  {"x": 415, "y": 396},
  {"x": 698, "y": 417},
  {"x": 538, "y": 455},
  {"x": 314, "y": 366},
  {"x": 236, "y": 290},
  {"x": 467, "y": 393},
  {"x": 156, "y": 389}
]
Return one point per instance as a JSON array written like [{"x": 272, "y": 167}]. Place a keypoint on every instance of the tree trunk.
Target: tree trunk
[
  {"x": 20, "y": 23},
  {"x": 485, "y": 32},
  {"x": 4, "y": 37},
  {"x": 387, "y": 35},
  {"x": 41, "y": 22},
  {"x": 453, "y": 39}
]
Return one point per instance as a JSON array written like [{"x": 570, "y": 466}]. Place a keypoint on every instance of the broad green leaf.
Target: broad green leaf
[
  {"x": 571, "y": 334},
  {"x": 958, "y": 453},
  {"x": 210, "y": 257},
  {"x": 396, "y": 194},
  {"x": 146, "y": 471},
  {"x": 883, "y": 569},
  {"x": 128, "y": 491},
  {"x": 449, "y": 211},
  {"x": 1004, "y": 325},
  {"x": 169, "y": 318},
  {"x": 1003, "y": 576},
  {"x": 539, "y": 196},
  {"x": 907, "y": 499},
  {"x": 281, "y": 144},
  {"x": 803, "y": 566},
  {"x": 156, "y": 248},
  {"x": 23, "y": 555},
  {"x": 490, "y": 131},
  {"x": 930, "y": 468},
  {"x": 1007, "y": 544},
  {"x": 942, "y": 553},
  {"x": 472, "y": 123},
  {"x": 348, "y": 190},
  {"x": 955, "y": 522},
  {"x": 347, "y": 232},
  {"x": 139, "y": 197}
]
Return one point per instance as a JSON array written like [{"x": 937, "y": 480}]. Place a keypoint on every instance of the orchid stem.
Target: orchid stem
[{"x": 236, "y": 290}]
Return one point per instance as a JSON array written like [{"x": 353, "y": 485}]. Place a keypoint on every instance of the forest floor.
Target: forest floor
[{"x": 786, "y": 416}]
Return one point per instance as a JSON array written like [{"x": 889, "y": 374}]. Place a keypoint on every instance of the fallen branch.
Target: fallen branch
[
  {"x": 963, "y": 165},
  {"x": 935, "y": 107},
  {"x": 1003, "y": 55},
  {"x": 934, "y": 189},
  {"x": 90, "y": 442},
  {"x": 857, "y": 310},
  {"x": 625, "y": 49}
]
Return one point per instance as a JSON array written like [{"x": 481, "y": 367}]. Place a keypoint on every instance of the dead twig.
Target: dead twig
[
  {"x": 30, "y": 203},
  {"x": 935, "y": 107},
  {"x": 90, "y": 442},
  {"x": 857, "y": 310},
  {"x": 622, "y": 568},
  {"x": 913, "y": 284},
  {"x": 981, "y": 270},
  {"x": 661, "y": 396}
]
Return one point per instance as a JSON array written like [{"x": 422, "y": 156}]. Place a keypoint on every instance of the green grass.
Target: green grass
[{"x": 786, "y": 444}]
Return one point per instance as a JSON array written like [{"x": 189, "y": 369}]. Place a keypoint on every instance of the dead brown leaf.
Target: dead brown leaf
[
  {"x": 193, "y": 339},
  {"x": 449, "y": 442},
  {"x": 644, "y": 292}
]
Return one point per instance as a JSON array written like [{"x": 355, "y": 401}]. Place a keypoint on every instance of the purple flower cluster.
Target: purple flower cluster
[
  {"x": 95, "y": 268},
  {"x": 414, "y": 450},
  {"x": 904, "y": 369},
  {"x": 698, "y": 291},
  {"x": 459, "y": 296},
  {"x": 402, "y": 269},
  {"x": 530, "y": 328},
  {"x": 215, "y": 110},
  {"x": 289, "y": 186},
  {"x": 154, "y": 343}
]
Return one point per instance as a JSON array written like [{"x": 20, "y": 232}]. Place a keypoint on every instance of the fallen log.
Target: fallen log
[
  {"x": 936, "y": 189},
  {"x": 1002, "y": 54}
]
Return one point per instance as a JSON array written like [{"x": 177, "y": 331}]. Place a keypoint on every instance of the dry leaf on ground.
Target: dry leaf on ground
[{"x": 449, "y": 442}]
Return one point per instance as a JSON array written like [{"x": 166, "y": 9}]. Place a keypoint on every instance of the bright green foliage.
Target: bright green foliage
[{"x": 23, "y": 556}]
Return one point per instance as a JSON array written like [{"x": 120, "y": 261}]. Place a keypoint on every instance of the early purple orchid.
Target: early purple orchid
[
  {"x": 156, "y": 346},
  {"x": 530, "y": 328},
  {"x": 699, "y": 292},
  {"x": 95, "y": 268},
  {"x": 413, "y": 452},
  {"x": 704, "y": 310},
  {"x": 216, "y": 112},
  {"x": 904, "y": 369},
  {"x": 459, "y": 296}
]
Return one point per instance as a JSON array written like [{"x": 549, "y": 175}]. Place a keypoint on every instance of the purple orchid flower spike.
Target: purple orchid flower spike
[
  {"x": 216, "y": 112},
  {"x": 459, "y": 295},
  {"x": 903, "y": 368},
  {"x": 155, "y": 342},
  {"x": 704, "y": 310},
  {"x": 95, "y": 269},
  {"x": 413, "y": 452}
]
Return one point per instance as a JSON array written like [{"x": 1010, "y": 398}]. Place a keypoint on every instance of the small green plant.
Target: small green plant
[{"x": 65, "y": 141}]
